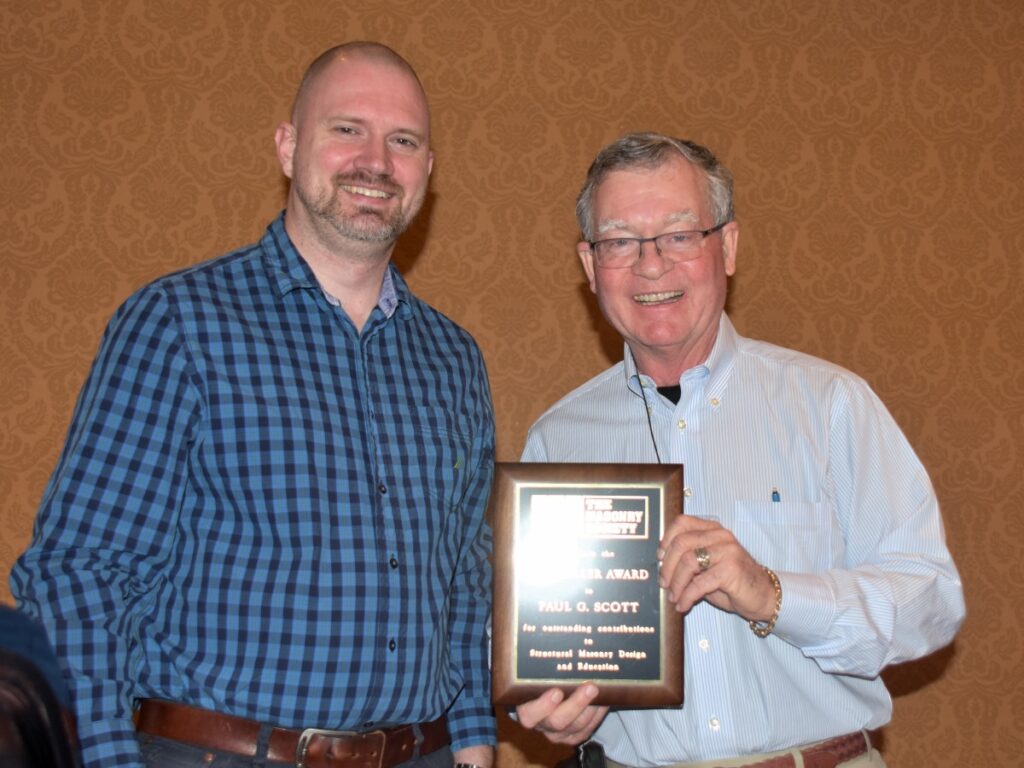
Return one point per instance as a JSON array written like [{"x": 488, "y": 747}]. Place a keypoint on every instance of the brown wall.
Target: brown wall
[{"x": 877, "y": 149}]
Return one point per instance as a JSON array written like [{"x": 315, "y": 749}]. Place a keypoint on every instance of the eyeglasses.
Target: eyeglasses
[{"x": 624, "y": 252}]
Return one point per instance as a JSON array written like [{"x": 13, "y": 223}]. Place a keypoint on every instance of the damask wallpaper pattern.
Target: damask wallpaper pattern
[{"x": 878, "y": 154}]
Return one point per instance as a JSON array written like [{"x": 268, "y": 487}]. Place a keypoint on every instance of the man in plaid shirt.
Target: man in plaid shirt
[{"x": 265, "y": 537}]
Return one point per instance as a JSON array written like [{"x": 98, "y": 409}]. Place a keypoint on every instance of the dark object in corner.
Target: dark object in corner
[
  {"x": 33, "y": 731},
  {"x": 36, "y": 728}
]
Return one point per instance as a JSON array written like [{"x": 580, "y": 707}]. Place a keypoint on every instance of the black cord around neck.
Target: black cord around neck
[{"x": 650, "y": 426}]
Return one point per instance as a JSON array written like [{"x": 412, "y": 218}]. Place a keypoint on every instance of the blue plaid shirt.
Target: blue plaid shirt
[{"x": 262, "y": 512}]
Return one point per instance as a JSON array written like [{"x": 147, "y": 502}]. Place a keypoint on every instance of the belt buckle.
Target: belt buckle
[{"x": 309, "y": 733}]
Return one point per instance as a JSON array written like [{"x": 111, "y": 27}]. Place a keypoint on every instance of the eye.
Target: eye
[
  {"x": 406, "y": 142},
  {"x": 680, "y": 238},
  {"x": 614, "y": 248},
  {"x": 346, "y": 130}
]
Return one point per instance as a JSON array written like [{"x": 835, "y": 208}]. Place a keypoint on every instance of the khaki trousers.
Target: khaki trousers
[{"x": 870, "y": 759}]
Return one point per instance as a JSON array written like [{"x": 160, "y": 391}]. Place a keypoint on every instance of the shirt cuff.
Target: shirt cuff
[
  {"x": 471, "y": 723},
  {"x": 808, "y": 608},
  {"x": 109, "y": 742}
]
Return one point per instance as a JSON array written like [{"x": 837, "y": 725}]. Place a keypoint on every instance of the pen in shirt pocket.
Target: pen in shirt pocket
[{"x": 775, "y": 495}]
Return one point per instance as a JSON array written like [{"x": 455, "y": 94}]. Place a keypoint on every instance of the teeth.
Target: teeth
[
  {"x": 367, "y": 192},
  {"x": 655, "y": 298}
]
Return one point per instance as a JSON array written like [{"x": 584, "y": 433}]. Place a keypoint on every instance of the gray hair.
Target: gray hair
[{"x": 652, "y": 150}]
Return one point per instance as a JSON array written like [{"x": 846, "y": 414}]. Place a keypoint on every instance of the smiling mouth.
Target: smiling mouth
[
  {"x": 367, "y": 192},
  {"x": 665, "y": 297}
]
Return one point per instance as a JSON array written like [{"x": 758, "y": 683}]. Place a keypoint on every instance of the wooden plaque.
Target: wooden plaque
[{"x": 576, "y": 595}]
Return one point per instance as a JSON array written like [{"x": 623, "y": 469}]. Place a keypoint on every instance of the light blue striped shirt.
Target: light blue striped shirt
[{"x": 856, "y": 539}]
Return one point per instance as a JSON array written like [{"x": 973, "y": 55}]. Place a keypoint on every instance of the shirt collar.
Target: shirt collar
[
  {"x": 716, "y": 368},
  {"x": 288, "y": 271}
]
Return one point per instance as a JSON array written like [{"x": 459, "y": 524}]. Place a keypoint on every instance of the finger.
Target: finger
[
  {"x": 725, "y": 583},
  {"x": 698, "y": 570},
  {"x": 559, "y": 717},
  {"x": 685, "y": 524},
  {"x": 683, "y": 536},
  {"x": 686, "y": 594},
  {"x": 678, "y": 557},
  {"x": 582, "y": 727},
  {"x": 560, "y": 730},
  {"x": 533, "y": 712},
  {"x": 569, "y": 715}
]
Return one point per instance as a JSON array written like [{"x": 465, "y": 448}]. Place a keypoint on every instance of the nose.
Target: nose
[
  {"x": 375, "y": 156},
  {"x": 651, "y": 264}
]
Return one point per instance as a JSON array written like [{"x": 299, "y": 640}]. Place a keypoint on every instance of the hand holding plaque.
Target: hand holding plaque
[{"x": 576, "y": 582}]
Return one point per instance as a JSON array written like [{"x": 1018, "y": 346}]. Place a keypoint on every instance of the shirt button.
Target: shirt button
[
  {"x": 681, "y": 424},
  {"x": 393, "y": 562},
  {"x": 714, "y": 401},
  {"x": 392, "y": 645},
  {"x": 704, "y": 644},
  {"x": 382, "y": 488},
  {"x": 714, "y": 724},
  {"x": 687, "y": 491}
]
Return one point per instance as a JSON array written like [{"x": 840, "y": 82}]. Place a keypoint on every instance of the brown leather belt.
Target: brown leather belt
[
  {"x": 311, "y": 748},
  {"x": 825, "y": 754}
]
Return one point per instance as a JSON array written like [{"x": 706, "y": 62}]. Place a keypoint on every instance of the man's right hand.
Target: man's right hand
[{"x": 563, "y": 720}]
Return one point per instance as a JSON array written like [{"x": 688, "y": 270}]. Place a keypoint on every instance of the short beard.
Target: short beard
[{"x": 367, "y": 225}]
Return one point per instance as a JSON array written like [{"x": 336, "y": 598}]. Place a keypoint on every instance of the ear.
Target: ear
[
  {"x": 587, "y": 260},
  {"x": 284, "y": 138},
  {"x": 730, "y": 242},
  {"x": 430, "y": 162}
]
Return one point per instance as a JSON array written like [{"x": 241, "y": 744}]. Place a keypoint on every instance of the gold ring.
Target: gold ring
[{"x": 703, "y": 558}]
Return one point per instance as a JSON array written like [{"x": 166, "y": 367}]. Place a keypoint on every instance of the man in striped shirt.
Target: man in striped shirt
[
  {"x": 265, "y": 537},
  {"x": 812, "y": 551}
]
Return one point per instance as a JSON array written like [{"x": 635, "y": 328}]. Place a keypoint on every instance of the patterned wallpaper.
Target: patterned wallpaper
[{"x": 877, "y": 148}]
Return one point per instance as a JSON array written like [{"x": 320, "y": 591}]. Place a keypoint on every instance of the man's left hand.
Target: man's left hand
[{"x": 730, "y": 578}]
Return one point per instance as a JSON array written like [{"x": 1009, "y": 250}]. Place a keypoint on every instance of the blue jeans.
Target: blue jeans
[{"x": 164, "y": 753}]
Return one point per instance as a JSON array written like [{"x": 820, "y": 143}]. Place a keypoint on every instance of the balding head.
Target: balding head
[{"x": 364, "y": 50}]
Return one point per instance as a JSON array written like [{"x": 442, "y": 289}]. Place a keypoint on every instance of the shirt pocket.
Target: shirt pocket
[
  {"x": 787, "y": 535},
  {"x": 436, "y": 472},
  {"x": 438, "y": 460}
]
